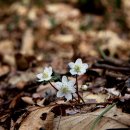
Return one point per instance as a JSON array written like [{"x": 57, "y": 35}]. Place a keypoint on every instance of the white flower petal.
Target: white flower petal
[
  {"x": 50, "y": 70},
  {"x": 71, "y": 65},
  {"x": 73, "y": 72},
  {"x": 85, "y": 66},
  {"x": 78, "y": 61},
  {"x": 46, "y": 69},
  {"x": 72, "y": 89},
  {"x": 68, "y": 96},
  {"x": 81, "y": 73},
  {"x": 58, "y": 85},
  {"x": 60, "y": 94},
  {"x": 40, "y": 80},
  {"x": 39, "y": 76},
  {"x": 83, "y": 70},
  {"x": 64, "y": 80},
  {"x": 71, "y": 83},
  {"x": 48, "y": 78}
]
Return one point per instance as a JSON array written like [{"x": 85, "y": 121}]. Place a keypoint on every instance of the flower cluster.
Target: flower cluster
[{"x": 66, "y": 88}]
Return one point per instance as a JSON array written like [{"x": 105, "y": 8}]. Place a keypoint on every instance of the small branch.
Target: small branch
[
  {"x": 105, "y": 66},
  {"x": 53, "y": 86},
  {"x": 101, "y": 103}
]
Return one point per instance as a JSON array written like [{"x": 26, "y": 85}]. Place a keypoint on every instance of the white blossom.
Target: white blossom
[
  {"x": 45, "y": 75},
  {"x": 78, "y": 68},
  {"x": 65, "y": 88}
]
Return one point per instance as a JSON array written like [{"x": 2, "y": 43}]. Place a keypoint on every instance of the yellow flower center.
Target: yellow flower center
[
  {"x": 45, "y": 75},
  {"x": 77, "y": 68},
  {"x": 65, "y": 89}
]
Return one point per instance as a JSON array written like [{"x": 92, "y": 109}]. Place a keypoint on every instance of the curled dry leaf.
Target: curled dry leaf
[
  {"x": 111, "y": 41},
  {"x": 113, "y": 91},
  {"x": 8, "y": 55},
  {"x": 34, "y": 122},
  {"x": 63, "y": 39},
  {"x": 19, "y": 8},
  {"x": 113, "y": 119},
  {"x": 126, "y": 8},
  {"x": 2, "y": 128},
  {"x": 44, "y": 90},
  {"x": 62, "y": 11},
  {"x": 28, "y": 100},
  {"x": 4, "y": 70},
  {"x": 20, "y": 80},
  {"x": 28, "y": 42},
  {"x": 6, "y": 45},
  {"x": 89, "y": 97}
]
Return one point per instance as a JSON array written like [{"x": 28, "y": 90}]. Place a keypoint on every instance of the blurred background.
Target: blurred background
[{"x": 57, "y": 31}]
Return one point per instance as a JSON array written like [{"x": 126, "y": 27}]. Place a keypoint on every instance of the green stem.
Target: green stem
[{"x": 100, "y": 116}]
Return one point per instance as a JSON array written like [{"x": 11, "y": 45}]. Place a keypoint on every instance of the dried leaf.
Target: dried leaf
[
  {"x": 28, "y": 42},
  {"x": 62, "y": 11},
  {"x": 95, "y": 97},
  {"x": 34, "y": 118},
  {"x": 63, "y": 39},
  {"x": 28, "y": 100},
  {"x": 113, "y": 119},
  {"x": 21, "y": 79},
  {"x": 4, "y": 70}
]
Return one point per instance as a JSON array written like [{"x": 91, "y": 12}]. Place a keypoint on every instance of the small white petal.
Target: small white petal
[
  {"x": 39, "y": 76},
  {"x": 81, "y": 73},
  {"x": 59, "y": 94},
  {"x": 85, "y": 66},
  {"x": 78, "y": 61},
  {"x": 73, "y": 72},
  {"x": 68, "y": 96},
  {"x": 46, "y": 69},
  {"x": 72, "y": 89},
  {"x": 48, "y": 78},
  {"x": 64, "y": 80},
  {"x": 58, "y": 85},
  {"x": 71, "y": 65},
  {"x": 40, "y": 80},
  {"x": 50, "y": 70},
  {"x": 71, "y": 83}
]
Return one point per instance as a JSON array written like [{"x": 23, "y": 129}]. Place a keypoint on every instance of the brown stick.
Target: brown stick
[{"x": 105, "y": 66}]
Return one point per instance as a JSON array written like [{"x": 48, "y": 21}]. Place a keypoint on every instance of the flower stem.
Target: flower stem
[
  {"x": 79, "y": 97},
  {"x": 53, "y": 86}
]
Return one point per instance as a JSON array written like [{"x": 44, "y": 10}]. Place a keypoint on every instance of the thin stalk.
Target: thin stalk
[
  {"x": 79, "y": 97},
  {"x": 53, "y": 86}
]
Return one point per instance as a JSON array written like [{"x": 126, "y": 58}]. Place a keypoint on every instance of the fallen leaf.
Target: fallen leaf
[
  {"x": 34, "y": 122},
  {"x": 62, "y": 12},
  {"x": 88, "y": 97},
  {"x": 112, "y": 119},
  {"x": 28, "y": 100},
  {"x": 28, "y": 42},
  {"x": 113, "y": 91},
  {"x": 20, "y": 80},
  {"x": 63, "y": 38},
  {"x": 4, "y": 70}
]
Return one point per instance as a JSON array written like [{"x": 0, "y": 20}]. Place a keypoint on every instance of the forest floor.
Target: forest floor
[{"x": 36, "y": 35}]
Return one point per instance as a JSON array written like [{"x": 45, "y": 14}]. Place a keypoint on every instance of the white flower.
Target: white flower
[
  {"x": 78, "y": 68},
  {"x": 45, "y": 75},
  {"x": 65, "y": 88}
]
